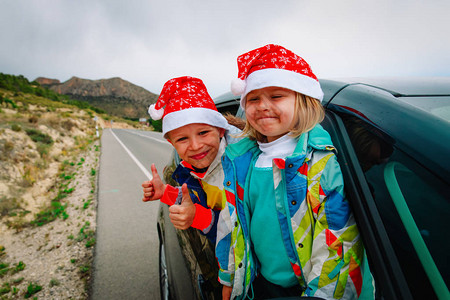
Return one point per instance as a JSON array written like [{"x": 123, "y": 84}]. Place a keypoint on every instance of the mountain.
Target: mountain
[
  {"x": 47, "y": 81},
  {"x": 115, "y": 96}
]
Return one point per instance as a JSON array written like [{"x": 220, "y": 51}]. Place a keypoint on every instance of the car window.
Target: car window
[
  {"x": 437, "y": 105},
  {"x": 228, "y": 108},
  {"x": 393, "y": 176}
]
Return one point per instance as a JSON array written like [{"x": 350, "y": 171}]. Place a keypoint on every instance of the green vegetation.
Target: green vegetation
[
  {"x": 57, "y": 209},
  {"x": 39, "y": 137},
  {"x": 43, "y": 141},
  {"x": 32, "y": 289},
  {"x": 86, "y": 234},
  {"x": 5, "y": 268},
  {"x": 90, "y": 243},
  {"x": 157, "y": 125},
  {"x": 86, "y": 204},
  {"x": 5, "y": 288},
  {"x": 20, "y": 266},
  {"x": 54, "y": 282},
  {"x": 21, "y": 84},
  {"x": 42, "y": 135},
  {"x": 16, "y": 127},
  {"x": 84, "y": 105},
  {"x": 8, "y": 102},
  {"x": 8, "y": 206},
  {"x": 9, "y": 287}
]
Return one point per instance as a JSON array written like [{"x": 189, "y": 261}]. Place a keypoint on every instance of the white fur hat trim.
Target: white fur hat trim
[
  {"x": 285, "y": 79},
  {"x": 237, "y": 86},
  {"x": 155, "y": 114},
  {"x": 193, "y": 115}
]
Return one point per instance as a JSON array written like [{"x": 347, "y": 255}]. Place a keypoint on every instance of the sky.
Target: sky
[{"x": 149, "y": 42}]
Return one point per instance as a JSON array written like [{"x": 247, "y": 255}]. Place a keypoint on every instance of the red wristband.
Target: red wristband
[{"x": 202, "y": 218}]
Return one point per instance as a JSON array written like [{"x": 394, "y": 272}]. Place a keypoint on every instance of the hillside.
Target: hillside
[
  {"x": 115, "y": 96},
  {"x": 49, "y": 156}
]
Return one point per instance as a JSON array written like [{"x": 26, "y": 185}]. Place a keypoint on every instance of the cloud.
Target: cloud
[{"x": 149, "y": 42}]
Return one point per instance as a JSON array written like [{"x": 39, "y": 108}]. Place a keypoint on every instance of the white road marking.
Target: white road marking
[
  {"x": 138, "y": 163},
  {"x": 149, "y": 137}
]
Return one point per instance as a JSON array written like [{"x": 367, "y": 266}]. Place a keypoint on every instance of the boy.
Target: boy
[{"x": 199, "y": 134}]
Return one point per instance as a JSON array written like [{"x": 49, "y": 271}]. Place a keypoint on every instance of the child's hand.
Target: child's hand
[
  {"x": 183, "y": 215},
  {"x": 226, "y": 292},
  {"x": 153, "y": 189}
]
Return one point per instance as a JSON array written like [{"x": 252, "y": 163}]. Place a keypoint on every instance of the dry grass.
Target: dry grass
[{"x": 34, "y": 141}]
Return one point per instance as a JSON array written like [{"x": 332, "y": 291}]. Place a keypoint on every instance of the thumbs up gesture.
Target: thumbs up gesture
[
  {"x": 183, "y": 215},
  {"x": 153, "y": 189}
]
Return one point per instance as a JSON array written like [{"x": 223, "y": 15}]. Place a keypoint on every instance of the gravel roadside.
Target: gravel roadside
[{"x": 54, "y": 261}]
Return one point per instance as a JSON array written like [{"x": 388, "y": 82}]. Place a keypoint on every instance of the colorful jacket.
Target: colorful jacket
[
  {"x": 318, "y": 229},
  {"x": 205, "y": 189}
]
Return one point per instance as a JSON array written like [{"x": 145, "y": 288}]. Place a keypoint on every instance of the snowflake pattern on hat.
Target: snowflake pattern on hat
[
  {"x": 274, "y": 65},
  {"x": 179, "y": 94},
  {"x": 184, "y": 101},
  {"x": 272, "y": 57}
]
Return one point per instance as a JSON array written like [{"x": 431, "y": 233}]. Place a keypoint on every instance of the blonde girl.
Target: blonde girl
[{"x": 287, "y": 228}]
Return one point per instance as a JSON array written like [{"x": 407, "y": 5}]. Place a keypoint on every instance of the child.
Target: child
[
  {"x": 192, "y": 124},
  {"x": 286, "y": 221}
]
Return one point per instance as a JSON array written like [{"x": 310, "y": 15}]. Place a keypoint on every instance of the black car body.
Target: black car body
[{"x": 393, "y": 142}]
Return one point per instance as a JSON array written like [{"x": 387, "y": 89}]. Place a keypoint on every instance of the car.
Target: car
[{"x": 392, "y": 137}]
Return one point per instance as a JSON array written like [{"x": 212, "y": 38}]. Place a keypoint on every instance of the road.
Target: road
[{"x": 126, "y": 254}]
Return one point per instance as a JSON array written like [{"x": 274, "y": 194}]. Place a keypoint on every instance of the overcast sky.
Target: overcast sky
[{"x": 149, "y": 42}]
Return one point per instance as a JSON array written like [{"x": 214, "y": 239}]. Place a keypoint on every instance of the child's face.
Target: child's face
[
  {"x": 196, "y": 144},
  {"x": 271, "y": 111}
]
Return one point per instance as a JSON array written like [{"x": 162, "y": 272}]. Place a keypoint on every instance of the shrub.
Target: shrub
[
  {"x": 157, "y": 125},
  {"x": 42, "y": 149},
  {"x": 10, "y": 102},
  {"x": 33, "y": 119},
  {"x": 4, "y": 269},
  {"x": 39, "y": 137},
  {"x": 29, "y": 175},
  {"x": 85, "y": 268},
  {"x": 20, "y": 266},
  {"x": 56, "y": 211},
  {"x": 32, "y": 289},
  {"x": 54, "y": 282},
  {"x": 8, "y": 146},
  {"x": 7, "y": 205},
  {"x": 68, "y": 124},
  {"x": 5, "y": 288},
  {"x": 16, "y": 127},
  {"x": 90, "y": 243}
]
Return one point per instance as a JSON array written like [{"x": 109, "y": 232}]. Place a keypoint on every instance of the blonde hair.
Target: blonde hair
[{"x": 308, "y": 113}]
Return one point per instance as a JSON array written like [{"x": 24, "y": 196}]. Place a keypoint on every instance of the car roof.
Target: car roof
[
  {"x": 228, "y": 96},
  {"x": 415, "y": 113},
  {"x": 399, "y": 86}
]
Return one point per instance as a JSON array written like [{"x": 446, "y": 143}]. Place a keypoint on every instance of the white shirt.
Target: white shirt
[{"x": 280, "y": 148}]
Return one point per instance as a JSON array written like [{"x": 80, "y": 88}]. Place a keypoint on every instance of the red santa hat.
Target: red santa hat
[
  {"x": 274, "y": 65},
  {"x": 183, "y": 101}
]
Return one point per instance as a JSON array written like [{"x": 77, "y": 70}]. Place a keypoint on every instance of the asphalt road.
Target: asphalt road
[{"x": 126, "y": 254}]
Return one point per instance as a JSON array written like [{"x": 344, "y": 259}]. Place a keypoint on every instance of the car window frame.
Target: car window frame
[{"x": 386, "y": 270}]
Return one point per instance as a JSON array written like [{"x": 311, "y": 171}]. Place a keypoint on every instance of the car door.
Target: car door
[{"x": 395, "y": 200}]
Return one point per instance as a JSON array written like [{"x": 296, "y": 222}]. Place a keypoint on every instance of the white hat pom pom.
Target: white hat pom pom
[
  {"x": 237, "y": 86},
  {"x": 155, "y": 114}
]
